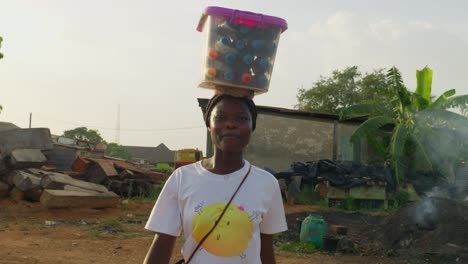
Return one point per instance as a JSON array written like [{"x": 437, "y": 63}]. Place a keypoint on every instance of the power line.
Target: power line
[{"x": 123, "y": 129}]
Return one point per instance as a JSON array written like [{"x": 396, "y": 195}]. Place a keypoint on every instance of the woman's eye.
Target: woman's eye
[{"x": 243, "y": 118}]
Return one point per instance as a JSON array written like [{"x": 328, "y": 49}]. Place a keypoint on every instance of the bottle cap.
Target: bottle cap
[{"x": 211, "y": 72}]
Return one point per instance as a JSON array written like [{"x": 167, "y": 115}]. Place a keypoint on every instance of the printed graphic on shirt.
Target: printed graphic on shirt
[{"x": 231, "y": 236}]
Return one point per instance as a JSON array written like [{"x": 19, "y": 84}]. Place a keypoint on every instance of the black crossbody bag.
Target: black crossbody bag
[{"x": 217, "y": 221}]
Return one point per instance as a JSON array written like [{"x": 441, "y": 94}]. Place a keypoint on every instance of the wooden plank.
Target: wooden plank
[
  {"x": 25, "y": 181},
  {"x": 57, "y": 181},
  {"x": 75, "y": 199}
]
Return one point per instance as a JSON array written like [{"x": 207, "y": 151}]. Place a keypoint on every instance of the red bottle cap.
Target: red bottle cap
[
  {"x": 246, "y": 77},
  {"x": 213, "y": 54}
]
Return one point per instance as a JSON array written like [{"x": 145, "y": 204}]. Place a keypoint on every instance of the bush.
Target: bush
[
  {"x": 400, "y": 198},
  {"x": 298, "y": 247}
]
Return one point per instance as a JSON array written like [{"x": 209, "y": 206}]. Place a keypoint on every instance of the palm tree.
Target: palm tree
[{"x": 413, "y": 125}]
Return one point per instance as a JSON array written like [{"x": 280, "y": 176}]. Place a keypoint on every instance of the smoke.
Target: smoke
[{"x": 426, "y": 214}]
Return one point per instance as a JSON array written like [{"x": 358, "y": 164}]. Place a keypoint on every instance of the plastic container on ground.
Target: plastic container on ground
[
  {"x": 313, "y": 228},
  {"x": 240, "y": 48}
]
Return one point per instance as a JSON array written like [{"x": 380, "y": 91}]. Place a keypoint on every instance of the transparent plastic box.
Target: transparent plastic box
[{"x": 240, "y": 48}]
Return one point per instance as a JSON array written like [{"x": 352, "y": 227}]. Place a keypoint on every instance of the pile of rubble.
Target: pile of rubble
[{"x": 26, "y": 174}]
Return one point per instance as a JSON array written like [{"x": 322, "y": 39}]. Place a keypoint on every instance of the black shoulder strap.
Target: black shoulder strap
[{"x": 220, "y": 217}]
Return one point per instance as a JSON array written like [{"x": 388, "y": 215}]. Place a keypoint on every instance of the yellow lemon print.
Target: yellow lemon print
[{"x": 230, "y": 237}]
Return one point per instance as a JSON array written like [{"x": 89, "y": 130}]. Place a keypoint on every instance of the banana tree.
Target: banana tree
[{"x": 413, "y": 125}]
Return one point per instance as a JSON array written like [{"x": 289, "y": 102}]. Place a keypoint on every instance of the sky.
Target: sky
[{"x": 76, "y": 63}]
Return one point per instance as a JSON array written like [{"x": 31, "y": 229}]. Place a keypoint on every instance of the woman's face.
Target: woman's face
[{"x": 230, "y": 125}]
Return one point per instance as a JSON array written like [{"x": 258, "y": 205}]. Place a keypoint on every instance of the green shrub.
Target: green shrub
[
  {"x": 298, "y": 247},
  {"x": 400, "y": 198}
]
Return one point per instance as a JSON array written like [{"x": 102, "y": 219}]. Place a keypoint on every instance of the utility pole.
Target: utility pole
[{"x": 30, "y": 118}]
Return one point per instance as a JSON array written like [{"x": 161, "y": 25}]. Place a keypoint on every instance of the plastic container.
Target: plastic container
[
  {"x": 313, "y": 228},
  {"x": 240, "y": 48}
]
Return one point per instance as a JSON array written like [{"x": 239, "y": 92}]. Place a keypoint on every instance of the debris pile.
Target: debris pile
[
  {"x": 119, "y": 176},
  {"x": 26, "y": 174},
  {"x": 434, "y": 228}
]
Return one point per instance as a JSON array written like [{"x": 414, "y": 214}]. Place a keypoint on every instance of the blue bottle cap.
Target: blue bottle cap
[
  {"x": 240, "y": 44},
  {"x": 229, "y": 75},
  {"x": 230, "y": 58},
  {"x": 256, "y": 44},
  {"x": 248, "y": 59},
  {"x": 225, "y": 40},
  {"x": 261, "y": 80},
  {"x": 263, "y": 63}
]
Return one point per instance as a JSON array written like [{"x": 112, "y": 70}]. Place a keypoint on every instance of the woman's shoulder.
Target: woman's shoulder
[
  {"x": 263, "y": 174},
  {"x": 187, "y": 169}
]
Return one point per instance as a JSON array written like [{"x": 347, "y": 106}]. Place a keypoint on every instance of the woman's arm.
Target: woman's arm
[
  {"x": 160, "y": 250},
  {"x": 267, "y": 254}
]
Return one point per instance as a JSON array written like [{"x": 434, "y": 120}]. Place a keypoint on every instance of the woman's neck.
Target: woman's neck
[{"x": 224, "y": 163}]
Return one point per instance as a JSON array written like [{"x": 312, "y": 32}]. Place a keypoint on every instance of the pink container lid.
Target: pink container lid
[{"x": 242, "y": 17}]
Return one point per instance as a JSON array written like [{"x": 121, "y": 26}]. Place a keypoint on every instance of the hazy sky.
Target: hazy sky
[{"x": 71, "y": 63}]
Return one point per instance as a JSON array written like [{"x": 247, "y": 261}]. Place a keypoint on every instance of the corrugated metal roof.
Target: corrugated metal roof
[{"x": 202, "y": 102}]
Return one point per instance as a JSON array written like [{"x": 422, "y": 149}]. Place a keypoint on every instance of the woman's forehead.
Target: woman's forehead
[{"x": 231, "y": 105}]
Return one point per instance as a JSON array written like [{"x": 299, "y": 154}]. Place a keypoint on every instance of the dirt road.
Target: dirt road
[{"x": 31, "y": 234}]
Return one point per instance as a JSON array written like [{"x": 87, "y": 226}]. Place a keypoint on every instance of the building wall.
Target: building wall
[{"x": 280, "y": 140}]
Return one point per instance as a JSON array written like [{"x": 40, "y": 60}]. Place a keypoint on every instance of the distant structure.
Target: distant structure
[{"x": 151, "y": 155}]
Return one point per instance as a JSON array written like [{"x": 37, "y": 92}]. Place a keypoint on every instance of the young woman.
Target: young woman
[{"x": 196, "y": 198}]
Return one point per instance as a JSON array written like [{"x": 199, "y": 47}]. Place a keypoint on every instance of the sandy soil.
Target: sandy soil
[{"x": 32, "y": 234}]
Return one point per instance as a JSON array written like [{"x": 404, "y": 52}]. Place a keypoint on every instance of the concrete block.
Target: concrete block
[
  {"x": 57, "y": 181},
  {"x": 30, "y": 138},
  {"x": 74, "y": 199},
  {"x": 26, "y": 158},
  {"x": 25, "y": 181}
]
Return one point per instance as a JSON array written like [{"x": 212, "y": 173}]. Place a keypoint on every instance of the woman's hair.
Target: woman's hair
[{"x": 218, "y": 97}]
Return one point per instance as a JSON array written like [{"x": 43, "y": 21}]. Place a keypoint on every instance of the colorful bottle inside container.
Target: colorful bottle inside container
[
  {"x": 247, "y": 59},
  {"x": 245, "y": 46},
  {"x": 213, "y": 54},
  {"x": 261, "y": 80},
  {"x": 256, "y": 44},
  {"x": 261, "y": 65},
  {"x": 229, "y": 76},
  {"x": 240, "y": 44},
  {"x": 230, "y": 58},
  {"x": 223, "y": 45},
  {"x": 246, "y": 77},
  {"x": 211, "y": 72}
]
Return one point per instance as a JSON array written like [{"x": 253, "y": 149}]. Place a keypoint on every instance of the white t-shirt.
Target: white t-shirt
[{"x": 193, "y": 198}]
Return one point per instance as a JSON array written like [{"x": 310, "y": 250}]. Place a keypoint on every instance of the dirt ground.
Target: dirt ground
[{"x": 32, "y": 234}]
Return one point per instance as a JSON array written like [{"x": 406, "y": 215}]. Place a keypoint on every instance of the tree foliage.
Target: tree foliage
[
  {"x": 343, "y": 89},
  {"x": 118, "y": 151},
  {"x": 83, "y": 133},
  {"x": 419, "y": 129},
  {"x": 1, "y": 40}
]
